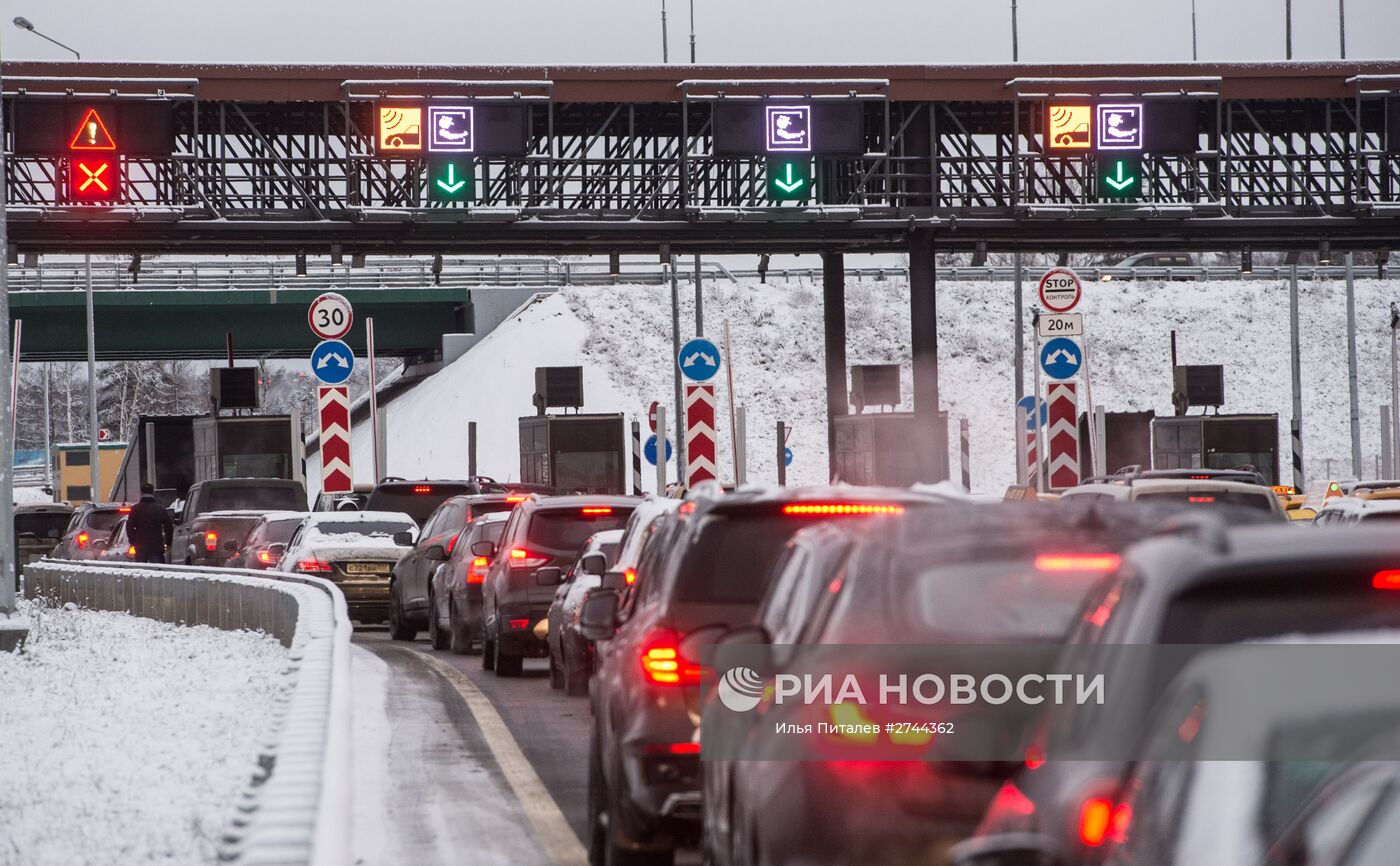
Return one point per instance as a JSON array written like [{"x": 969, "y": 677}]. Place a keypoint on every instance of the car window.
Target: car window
[
  {"x": 277, "y": 498},
  {"x": 1327, "y": 601},
  {"x": 416, "y": 500},
  {"x": 787, "y": 571},
  {"x": 730, "y": 559},
  {"x": 41, "y": 524},
  {"x": 1161, "y": 786},
  {"x": 566, "y": 529},
  {"x": 1235, "y": 498},
  {"x": 363, "y": 527},
  {"x": 649, "y": 564},
  {"x": 103, "y": 519}
]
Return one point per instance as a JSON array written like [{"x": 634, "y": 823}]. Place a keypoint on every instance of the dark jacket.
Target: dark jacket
[{"x": 149, "y": 527}]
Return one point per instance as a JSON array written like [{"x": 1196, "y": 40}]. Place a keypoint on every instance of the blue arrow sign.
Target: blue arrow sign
[
  {"x": 332, "y": 361},
  {"x": 1060, "y": 358},
  {"x": 1028, "y": 403},
  {"x": 649, "y": 450},
  {"x": 699, "y": 359}
]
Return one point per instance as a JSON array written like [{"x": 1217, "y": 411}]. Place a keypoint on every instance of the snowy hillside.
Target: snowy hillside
[{"x": 622, "y": 336}]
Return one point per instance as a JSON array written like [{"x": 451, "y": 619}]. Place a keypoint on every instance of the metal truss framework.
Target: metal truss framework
[{"x": 604, "y": 176}]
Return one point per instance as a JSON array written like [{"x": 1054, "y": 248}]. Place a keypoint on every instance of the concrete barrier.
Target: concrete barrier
[{"x": 295, "y": 810}]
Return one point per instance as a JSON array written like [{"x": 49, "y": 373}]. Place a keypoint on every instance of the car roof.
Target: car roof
[
  {"x": 574, "y": 500},
  {"x": 44, "y": 507},
  {"x": 1213, "y": 553},
  {"x": 596, "y": 541},
  {"x": 232, "y": 512},
  {"x": 1171, "y": 485}
]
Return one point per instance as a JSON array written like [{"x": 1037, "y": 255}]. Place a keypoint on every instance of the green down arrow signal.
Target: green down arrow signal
[
  {"x": 1121, "y": 182},
  {"x": 450, "y": 184},
  {"x": 789, "y": 183}
]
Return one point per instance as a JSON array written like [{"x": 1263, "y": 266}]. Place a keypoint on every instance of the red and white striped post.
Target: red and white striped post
[
  {"x": 700, "y": 434},
  {"x": 333, "y": 405},
  {"x": 1063, "y": 447}
]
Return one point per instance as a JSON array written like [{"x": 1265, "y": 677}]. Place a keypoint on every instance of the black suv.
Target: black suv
[{"x": 541, "y": 531}]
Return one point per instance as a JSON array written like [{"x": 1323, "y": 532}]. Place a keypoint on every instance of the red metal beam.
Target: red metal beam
[{"x": 322, "y": 82}]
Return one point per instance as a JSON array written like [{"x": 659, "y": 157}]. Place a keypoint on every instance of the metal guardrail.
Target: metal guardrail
[
  {"x": 543, "y": 272},
  {"x": 296, "y": 808}
]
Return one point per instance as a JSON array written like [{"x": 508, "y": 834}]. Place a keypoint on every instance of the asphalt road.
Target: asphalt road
[{"x": 453, "y": 759}]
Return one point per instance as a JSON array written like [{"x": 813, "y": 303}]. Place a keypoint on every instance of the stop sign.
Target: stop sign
[
  {"x": 651, "y": 415},
  {"x": 1060, "y": 290}
]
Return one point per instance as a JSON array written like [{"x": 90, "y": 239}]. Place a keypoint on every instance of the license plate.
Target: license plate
[{"x": 366, "y": 568}]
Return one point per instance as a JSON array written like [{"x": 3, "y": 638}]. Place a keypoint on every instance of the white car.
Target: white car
[
  {"x": 1341, "y": 510},
  {"x": 355, "y": 549},
  {"x": 1205, "y": 492}
]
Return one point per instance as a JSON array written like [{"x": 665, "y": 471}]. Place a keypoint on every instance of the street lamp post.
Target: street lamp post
[
  {"x": 94, "y": 466},
  {"x": 8, "y": 575}
]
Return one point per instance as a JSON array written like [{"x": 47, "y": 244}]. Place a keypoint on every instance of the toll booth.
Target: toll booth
[
  {"x": 1217, "y": 442},
  {"x": 879, "y": 449},
  {"x": 1127, "y": 441},
  {"x": 574, "y": 453},
  {"x": 74, "y": 477}
]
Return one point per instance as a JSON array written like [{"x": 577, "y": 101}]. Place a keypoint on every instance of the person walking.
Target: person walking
[{"x": 149, "y": 527}]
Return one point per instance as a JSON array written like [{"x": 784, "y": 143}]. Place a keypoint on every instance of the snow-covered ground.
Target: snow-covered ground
[
  {"x": 127, "y": 740},
  {"x": 622, "y": 336}
]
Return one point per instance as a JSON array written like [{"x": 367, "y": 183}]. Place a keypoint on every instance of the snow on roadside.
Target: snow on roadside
[
  {"x": 622, "y": 336},
  {"x": 128, "y": 740}
]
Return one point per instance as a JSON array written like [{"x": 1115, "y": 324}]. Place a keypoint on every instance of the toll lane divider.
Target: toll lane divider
[{"x": 295, "y": 810}]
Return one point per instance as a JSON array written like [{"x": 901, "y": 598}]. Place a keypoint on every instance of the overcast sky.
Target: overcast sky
[{"x": 728, "y": 31}]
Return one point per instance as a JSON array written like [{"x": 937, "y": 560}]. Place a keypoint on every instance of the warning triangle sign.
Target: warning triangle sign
[{"x": 92, "y": 134}]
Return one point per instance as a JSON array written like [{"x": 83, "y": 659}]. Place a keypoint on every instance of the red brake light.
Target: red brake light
[
  {"x": 662, "y": 663},
  {"x": 82, "y": 540},
  {"x": 1200, "y": 477},
  {"x": 422, "y": 488},
  {"x": 1035, "y": 758},
  {"x": 211, "y": 541},
  {"x": 265, "y": 557},
  {"x": 319, "y": 565},
  {"x": 596, "y": 511},
  {"x": 1388, "y": 579},
  {"x": 519, "y": 623},
  {"x": 828, "y": 509},
  {"x": 671, "y": 749},
  {"x": 516, "y": 498},
  {"x": 131, "y": 551},
  {"x": 1200, "y": 500},
  {"x": 1011, "y": 799},
  {"x": 1101, "y": 820},
  {"x": 125, "y": 509},
  {"x": 476, "y": 572},
  {"x": 630, "y": 575},
  {"x": 1077, "y": 562}
]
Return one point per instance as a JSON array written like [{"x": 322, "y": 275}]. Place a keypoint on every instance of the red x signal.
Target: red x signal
[{"x": 94, "y": 178}]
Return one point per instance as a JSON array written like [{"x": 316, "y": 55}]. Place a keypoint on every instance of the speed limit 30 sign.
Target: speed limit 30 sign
[
  {"x": 1060, "y": 290},
  {"x": 330, "y": 316}
]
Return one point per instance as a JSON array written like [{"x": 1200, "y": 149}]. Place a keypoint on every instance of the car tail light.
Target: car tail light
[
  {"x": 1011, "y": 799},
  {"x": 662, "y": 663},
  {"x": 594, "y": 511},
  {"x": 1035, "y": 757},
  {"x": 131, "y": 552},
  {"x": 629, "y": 575},
  {"x": 211, "y": 541},
  {"x": 265, "y": 557},
  {"x": 82, "y": 540},
  {"x": 1199, "y": 477},
  {"x": 830, "y": 509},
  {"x": 522, "y": 558},
  {"x": 476, "y": 572},
  {"x": 313, "y": 565},
  {"x": 671, "y": 749},
  {"x": 125, "y": 509},
  {"x": 518, "y": 624},
  {"x": 1102, "y": 820},
  {"x": 422, "y": 488},
  {"x": 1388, "y": 579},
  {"x": 1077, "y": 562},
  {"x": 516, "y": 499},
  {"x": 1200, "y": 500}
]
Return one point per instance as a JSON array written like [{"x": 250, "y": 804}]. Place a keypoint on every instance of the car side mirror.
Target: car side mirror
[
  {"x": 594, "y": 564},
  {"x": 484, "y": 548},
  {"x": 403, "y": 538},
  {"x": 597, "y": 619},
  {"x": 99, "y": 544},
  {"x": 614, "y": 580},
  {"x": 231, "y": 546},
  {"x": 434, "y": 552},
  {"x": 277, "y": 549},
  {"x": 549, "y": 575},
  {"x": 1009, "y": 849}
]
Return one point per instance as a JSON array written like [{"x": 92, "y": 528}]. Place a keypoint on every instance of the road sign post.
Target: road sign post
[
  {"x": 661, "y": 437},
  {"x": 333, "y": 404},
  {"x": 700, "y": 434},
  {"x": 636, "y": 458},
  {"x": 1063, "y": 469}
]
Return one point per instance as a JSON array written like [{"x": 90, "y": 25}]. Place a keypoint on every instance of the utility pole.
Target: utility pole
[
  {"x": 1193, "y": 30},
  {"x": 665, "y": 44},
  {"x": 15, "y": 632},
  {"x": 692, "y": 38},
  {"x": 1287, "y": 29},
  {"x": 1355, "y": 399},
  {"x": 1296, "y": 373},
  {"x": 1394, "y": 385},
  {"x": 1015, "y": 36},
  {"x": 1342, "y": 26}
]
